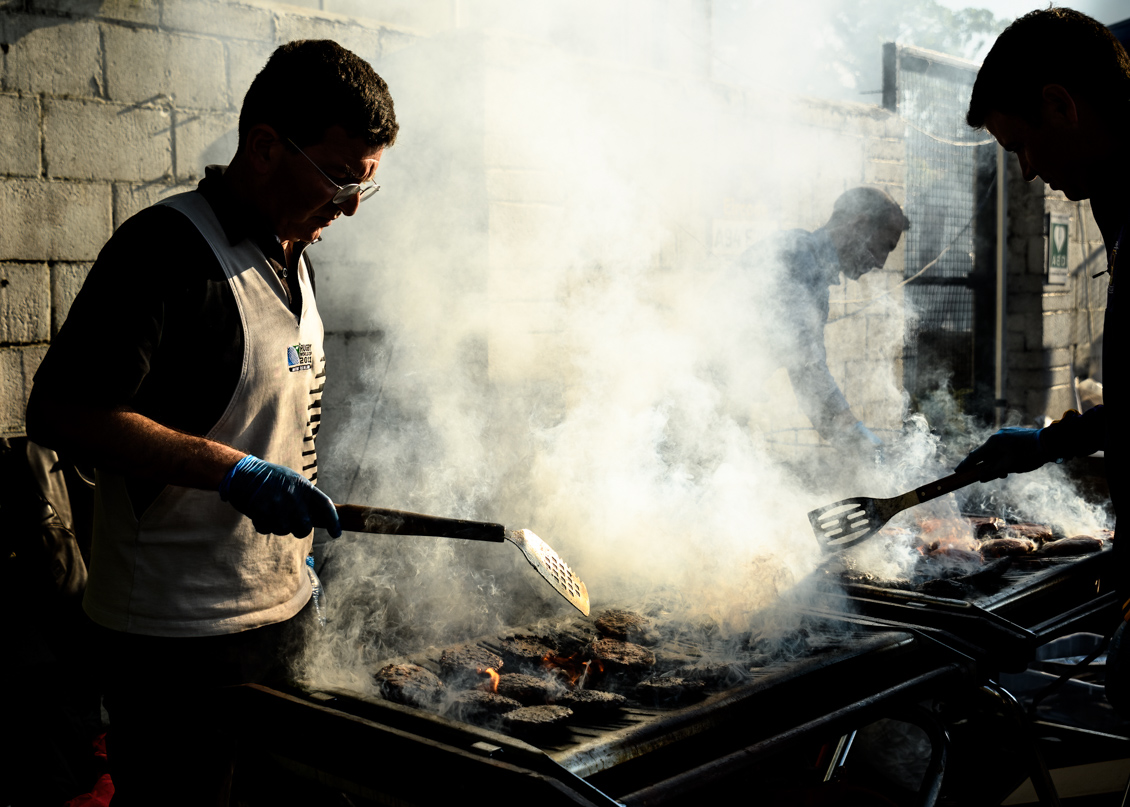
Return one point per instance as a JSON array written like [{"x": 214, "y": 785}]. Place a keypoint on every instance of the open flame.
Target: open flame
[
  {"x": 492, "y": 684},
  {"x": 575, "y": 668}
]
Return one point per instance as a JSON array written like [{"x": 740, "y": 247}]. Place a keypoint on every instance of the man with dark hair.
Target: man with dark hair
[
  {"x": 864, "y": 228},
  {"x": 189, "y": 374},
  {"x": 1055, "y": 90}
]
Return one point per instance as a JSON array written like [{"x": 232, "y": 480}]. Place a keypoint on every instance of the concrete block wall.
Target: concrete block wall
[
  {"x": 107, "y": 107},
  {"x": 1054, "y": 331}
]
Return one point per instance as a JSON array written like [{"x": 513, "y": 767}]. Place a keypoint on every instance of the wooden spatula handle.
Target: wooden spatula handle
[{"x": 379, "y": 520}]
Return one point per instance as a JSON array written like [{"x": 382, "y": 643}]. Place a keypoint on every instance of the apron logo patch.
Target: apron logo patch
[{"x": 299, "y": 357}]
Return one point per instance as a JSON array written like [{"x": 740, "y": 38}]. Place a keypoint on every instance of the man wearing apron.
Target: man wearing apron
[
  {"x": 189, "y": 374},
  {"x": 1055, "y": 90}
]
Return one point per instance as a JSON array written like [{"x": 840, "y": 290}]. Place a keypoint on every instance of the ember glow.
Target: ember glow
[{"x": 573, "y": 668}]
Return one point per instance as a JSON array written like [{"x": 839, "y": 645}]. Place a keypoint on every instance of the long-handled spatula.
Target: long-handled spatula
[
  {"x": 847, "y": 522},
  {"x": 378, "y": 520}
]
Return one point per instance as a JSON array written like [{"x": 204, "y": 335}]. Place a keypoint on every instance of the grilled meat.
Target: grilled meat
[
  {"x": 1034, "y": 532},
  {"x": 409, "y": 684},
  {"x": 1075, "y": 545},
  {"x": 668, "y": 690},
  {"x": 525, "y": 651},
  {"x": 474, "y": 704},
  {"x": 627, "y": 626},
  {"x": 536, "y": 719},
  {"x": 1007, "y": 547},
  {"x": 589, "y": 701},
  {"x": 527, "y": 689},
  {"x": 467, "y": 661},
  {"x": 615, "y": 656}
]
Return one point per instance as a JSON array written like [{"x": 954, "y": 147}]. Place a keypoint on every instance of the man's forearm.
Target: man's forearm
[{"x": 130, "y": 443}]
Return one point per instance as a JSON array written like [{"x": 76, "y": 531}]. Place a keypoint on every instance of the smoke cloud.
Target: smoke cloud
[{"x": 565, "y": 345}]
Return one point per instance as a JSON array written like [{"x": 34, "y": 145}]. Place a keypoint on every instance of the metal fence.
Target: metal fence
[{"x": 950, "y": 176}]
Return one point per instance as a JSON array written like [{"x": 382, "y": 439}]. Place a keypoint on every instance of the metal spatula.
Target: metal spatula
[
  {"x": 847, "y": 522},
  {"x": 378, "y": 520}
]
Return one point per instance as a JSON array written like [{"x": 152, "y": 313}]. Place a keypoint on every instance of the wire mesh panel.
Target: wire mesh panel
[{"x": 946, "y": 191}]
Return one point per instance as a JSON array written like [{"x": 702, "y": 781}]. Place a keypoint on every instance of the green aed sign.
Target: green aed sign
[{"x": 1058, "y": 232}]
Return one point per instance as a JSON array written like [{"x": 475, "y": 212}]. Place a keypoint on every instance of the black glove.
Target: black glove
[
  {"x": 278, "y": 500},
  {"x": 1012, "y": 450}
]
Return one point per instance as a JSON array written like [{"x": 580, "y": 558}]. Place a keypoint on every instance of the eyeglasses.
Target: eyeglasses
[{"x": 344, "y": 192}]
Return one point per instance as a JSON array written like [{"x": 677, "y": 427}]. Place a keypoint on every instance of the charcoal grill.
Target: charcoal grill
[{"x": 902, "y": 647}]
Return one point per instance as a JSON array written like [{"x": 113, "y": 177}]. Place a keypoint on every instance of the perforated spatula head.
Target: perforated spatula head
[{"x": 550, "y": 566}]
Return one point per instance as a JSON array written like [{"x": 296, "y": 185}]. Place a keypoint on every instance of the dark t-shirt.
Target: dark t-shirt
[{"x": 155, "y": 327}]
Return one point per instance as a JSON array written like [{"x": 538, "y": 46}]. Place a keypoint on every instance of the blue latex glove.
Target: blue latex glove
[
  {"x": 278, "y": 500},
  {"x": 1012, "y": 450}
]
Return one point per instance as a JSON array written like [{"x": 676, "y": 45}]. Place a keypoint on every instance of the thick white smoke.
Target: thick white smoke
[{"x": 563, "y": 349}]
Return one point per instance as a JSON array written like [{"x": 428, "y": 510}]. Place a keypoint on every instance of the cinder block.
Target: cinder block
[
  {"x": 96, "y": 140},
  {"x": 144, "y": 65},
  {"x": 145, "y": 12},
  {"x": 51, "y": 55},
  {"x": 66, "y": 280},
  {"x": 1057, "y": 329},
  {"x": 131, "y": 199},
  {"x": 245, "y": 60},
  {"x": 204, "y": 139},
  {"x": 422, "y": 15},
  {"x": 222, "y": 19},
  {"x": 1058, "y": 399},
  {"x": 17, "y": 368},
  {"x": 888, "y": 149},
  {"x": 361, "y": 37},
  {"x": 884, "y": 173},
  {"x": 66, "y": 221},
  {"x": 1058, "y": 301},
  {"x": 25, "y": 303},
  {"x": 19, "y": 132}
]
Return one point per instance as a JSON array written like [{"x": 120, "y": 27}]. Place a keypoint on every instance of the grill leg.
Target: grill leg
[{"x": 1037, "y": 768}]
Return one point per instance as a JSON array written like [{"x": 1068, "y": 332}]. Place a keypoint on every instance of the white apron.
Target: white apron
[{"x": 191, "y": 564}]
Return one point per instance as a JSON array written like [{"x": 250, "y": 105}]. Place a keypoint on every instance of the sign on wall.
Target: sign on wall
[{"x": 1058, "y": 239}]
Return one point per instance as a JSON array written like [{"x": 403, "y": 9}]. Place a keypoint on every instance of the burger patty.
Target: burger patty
[
  {"x": 590, "y": 701},
  {"x": 409, "y": 684},
  {"x": 466, "y": 661},
  {"x": 528, "y": 689},
  {"x": 623, "y": 625},
  {"x": 474, "y": 704},
  {"x": 615, "y": 656},
  {"x": 536, "y": 718}
]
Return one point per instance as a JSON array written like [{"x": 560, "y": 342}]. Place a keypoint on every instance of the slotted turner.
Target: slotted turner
[
  {"x": 547, "y": 563},
  {"x": 847, "y": 522}
]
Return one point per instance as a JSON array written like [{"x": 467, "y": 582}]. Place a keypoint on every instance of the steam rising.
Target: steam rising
[{"x": 563, "y": 348}]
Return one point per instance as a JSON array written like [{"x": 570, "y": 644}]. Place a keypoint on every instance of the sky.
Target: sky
[{"x": 1105, "y": 11}]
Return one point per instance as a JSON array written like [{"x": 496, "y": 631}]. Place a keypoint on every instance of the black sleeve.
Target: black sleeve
[
  {"x": 104, "y": 349},
  {"x": 1075, "y": 435}
]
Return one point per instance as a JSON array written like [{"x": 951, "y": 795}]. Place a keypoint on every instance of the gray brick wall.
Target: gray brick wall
[
  {"x": 1054, "y": 331},
  {"x": 105, "y": 108}
]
